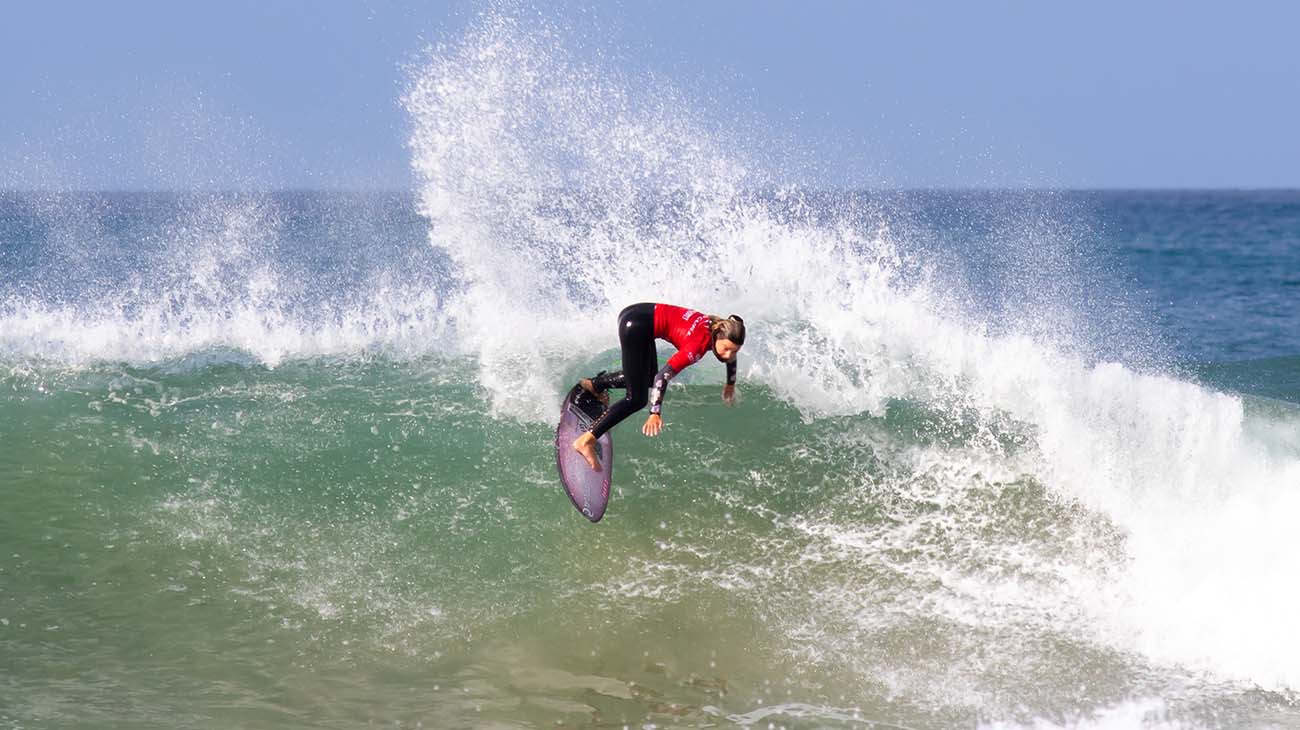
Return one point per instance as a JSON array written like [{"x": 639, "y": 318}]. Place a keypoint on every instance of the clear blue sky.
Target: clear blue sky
[{"x": 274, "y": 94}]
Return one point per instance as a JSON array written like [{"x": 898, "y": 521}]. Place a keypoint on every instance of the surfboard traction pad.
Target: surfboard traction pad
[{"x": 587, "y": 489}]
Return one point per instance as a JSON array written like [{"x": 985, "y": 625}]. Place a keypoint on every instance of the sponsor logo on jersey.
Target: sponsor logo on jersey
[{"x": 691, "y": 330}]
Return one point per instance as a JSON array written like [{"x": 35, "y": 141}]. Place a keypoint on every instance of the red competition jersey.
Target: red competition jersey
[{"x": 687, "y": 329}]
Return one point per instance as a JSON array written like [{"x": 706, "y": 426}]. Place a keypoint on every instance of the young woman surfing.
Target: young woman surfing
[{"x": 692, "y": 333}]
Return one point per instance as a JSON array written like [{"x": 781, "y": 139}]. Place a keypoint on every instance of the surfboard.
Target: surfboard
[{"x": 587, "y": 489}]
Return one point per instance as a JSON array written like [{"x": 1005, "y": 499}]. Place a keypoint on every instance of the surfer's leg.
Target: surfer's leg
[
  {"x": 636, "y": 334},
  {"x": 637, "y": 340},
  {"x": 601, "y": 382}
]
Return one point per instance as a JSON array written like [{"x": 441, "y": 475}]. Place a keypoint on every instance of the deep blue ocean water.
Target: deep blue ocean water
[{"x": 1218, "y": 268}]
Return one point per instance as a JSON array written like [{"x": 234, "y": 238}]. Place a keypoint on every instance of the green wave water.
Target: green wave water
[{"x": 333, "y": 543}]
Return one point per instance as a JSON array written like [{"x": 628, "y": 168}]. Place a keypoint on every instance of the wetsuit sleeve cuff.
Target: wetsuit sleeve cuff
[{"x": 660, "y": 385}]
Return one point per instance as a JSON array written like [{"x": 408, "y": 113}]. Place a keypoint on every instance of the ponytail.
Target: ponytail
[{"x": 732, "y": 328}]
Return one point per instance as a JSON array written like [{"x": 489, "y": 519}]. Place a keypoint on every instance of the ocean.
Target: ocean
[{"x": 1001, "y": 458}]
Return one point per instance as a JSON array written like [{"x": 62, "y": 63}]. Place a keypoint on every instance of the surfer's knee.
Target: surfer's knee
[{"x": 638, "y": 397}]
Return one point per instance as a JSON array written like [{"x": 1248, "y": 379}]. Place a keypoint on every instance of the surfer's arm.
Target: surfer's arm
[
  {"x": 729, "y": 390},
  {"x": 660, "y": 385}
]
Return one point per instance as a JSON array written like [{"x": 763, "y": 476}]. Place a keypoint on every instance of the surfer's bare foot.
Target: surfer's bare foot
[
  {"x": 588, "y": 386},
  {"x": 586, "y": 445}
]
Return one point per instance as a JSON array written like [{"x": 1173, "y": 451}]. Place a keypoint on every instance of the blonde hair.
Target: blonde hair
[{"x": 732, "y": 328}]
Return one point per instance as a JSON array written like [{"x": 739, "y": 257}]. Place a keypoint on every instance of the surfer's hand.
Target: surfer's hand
[
  {"x": 729, "y": 394},
  {"x": 653, "y": 425}
]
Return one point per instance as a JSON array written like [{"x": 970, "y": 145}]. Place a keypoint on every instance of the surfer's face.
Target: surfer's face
[{"x": 725, "y": 350}]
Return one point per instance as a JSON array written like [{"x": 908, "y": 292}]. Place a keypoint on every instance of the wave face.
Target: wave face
[{"x": 308, "y": 437}]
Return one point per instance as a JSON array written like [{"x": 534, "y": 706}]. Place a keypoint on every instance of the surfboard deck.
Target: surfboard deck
[{"x": 587, "y": 489}]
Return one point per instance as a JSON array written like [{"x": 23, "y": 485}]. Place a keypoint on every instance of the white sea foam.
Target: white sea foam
[
  {"x": 1144, "y": 714},
  {"x": 392, "y": 320},
  {"x": 206, "y": 279}
]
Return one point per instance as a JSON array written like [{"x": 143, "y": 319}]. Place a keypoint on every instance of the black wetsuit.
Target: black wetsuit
[{"x": 636, "y": 337}]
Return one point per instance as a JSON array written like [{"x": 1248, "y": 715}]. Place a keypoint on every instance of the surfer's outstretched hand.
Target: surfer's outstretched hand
[
  {"x": 653, "y": 425},
  {"x": 729, "y": 394}
]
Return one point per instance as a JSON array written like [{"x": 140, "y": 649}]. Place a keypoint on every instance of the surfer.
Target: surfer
[{"x": 693, "y": 333}]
